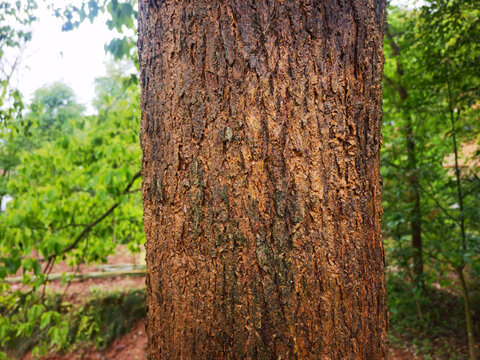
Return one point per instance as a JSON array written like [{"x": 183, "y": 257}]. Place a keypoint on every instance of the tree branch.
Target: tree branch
[
  {"x": 90, "y": 226},
  {"x": 445, "y": 211}
]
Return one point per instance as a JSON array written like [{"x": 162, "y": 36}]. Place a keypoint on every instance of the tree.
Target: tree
[
  {"x": 432, "y": 89},
  {"x": 51, "y": 109},
  {"x": 75, "y": 197},
  {"x": 451, "y": 32},
  {"x": 405, "y": 108},
  {"x": 260, "y": 132}
]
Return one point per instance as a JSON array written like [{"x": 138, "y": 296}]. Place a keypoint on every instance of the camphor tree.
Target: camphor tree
[{"x": 260, "y": 132}]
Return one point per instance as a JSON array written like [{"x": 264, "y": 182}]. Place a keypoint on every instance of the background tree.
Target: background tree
[
  {"x": 453, "y": 58},
  {"x": 54, "y": 111},
  {"x": 74, "y": 198},
  {"x": 431, "y": 90},
  {"x": 402, "y": 108}
]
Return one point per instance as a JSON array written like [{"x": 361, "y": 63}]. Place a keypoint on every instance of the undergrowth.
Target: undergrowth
[
  {"x": 63, "y": 327},
  {"x": 439, "y": 332}
]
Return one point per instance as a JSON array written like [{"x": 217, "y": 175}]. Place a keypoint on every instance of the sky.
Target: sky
[{"x": 76, "y": 57}]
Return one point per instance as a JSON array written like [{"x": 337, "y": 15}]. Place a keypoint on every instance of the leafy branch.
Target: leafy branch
[{"x": 90, "y": 226}]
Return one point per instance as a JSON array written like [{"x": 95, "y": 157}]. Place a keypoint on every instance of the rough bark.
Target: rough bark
[{"x": 262, "y": 199}]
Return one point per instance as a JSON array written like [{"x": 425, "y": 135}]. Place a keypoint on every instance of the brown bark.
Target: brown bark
[{"x": 262, "y": 201}]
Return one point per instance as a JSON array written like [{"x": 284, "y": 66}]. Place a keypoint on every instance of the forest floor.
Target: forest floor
[{"x": 131, "y": 345}]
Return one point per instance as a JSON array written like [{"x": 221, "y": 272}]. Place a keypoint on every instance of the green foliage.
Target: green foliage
[
  {"x": 106, "y": 317},
  {"x": 74, "y": 188},
  {"x": 431, "y": 111},
  {"x": 54, "y": 111},
  {"x": 434, "y": 91},
  {"x": 439, "y": 334},
  {"x": 72, "y": 178},
  {"x": 26, "y": 321},
  {"x": 15, "y": 17},
  {"x": 73, "y": 181}
]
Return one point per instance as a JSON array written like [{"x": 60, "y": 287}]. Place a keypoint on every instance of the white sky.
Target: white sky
[{"x": 76, "y": 57}]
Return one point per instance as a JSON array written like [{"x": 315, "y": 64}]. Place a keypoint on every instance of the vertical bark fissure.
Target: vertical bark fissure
[{"x": 263, "y": 133}]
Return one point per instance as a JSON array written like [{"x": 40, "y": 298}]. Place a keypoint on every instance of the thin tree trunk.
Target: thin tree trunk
[
  {"x": 463, "y": 236},
  {"x": 412, "y": 167},
  {"x": 468, "y": 314},
  {"x": 416, "y": 213},
  {"x": 262, "y": 201}
]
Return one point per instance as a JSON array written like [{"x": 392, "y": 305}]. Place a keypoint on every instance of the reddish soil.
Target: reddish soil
[
  {"x": 403, "y": 354},
  {"x": 130, "y": 346}
]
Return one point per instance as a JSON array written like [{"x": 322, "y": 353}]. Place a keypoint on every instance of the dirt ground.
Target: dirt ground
[{"x": 131, "y": 346}]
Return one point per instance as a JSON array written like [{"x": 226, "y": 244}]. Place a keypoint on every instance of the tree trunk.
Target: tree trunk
[
  {"x": 468, "y": 314},
  {"x": 262, "y": 199},
  {"x": 412, "y": 167},
  {"x": 416, "y": 213}
]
